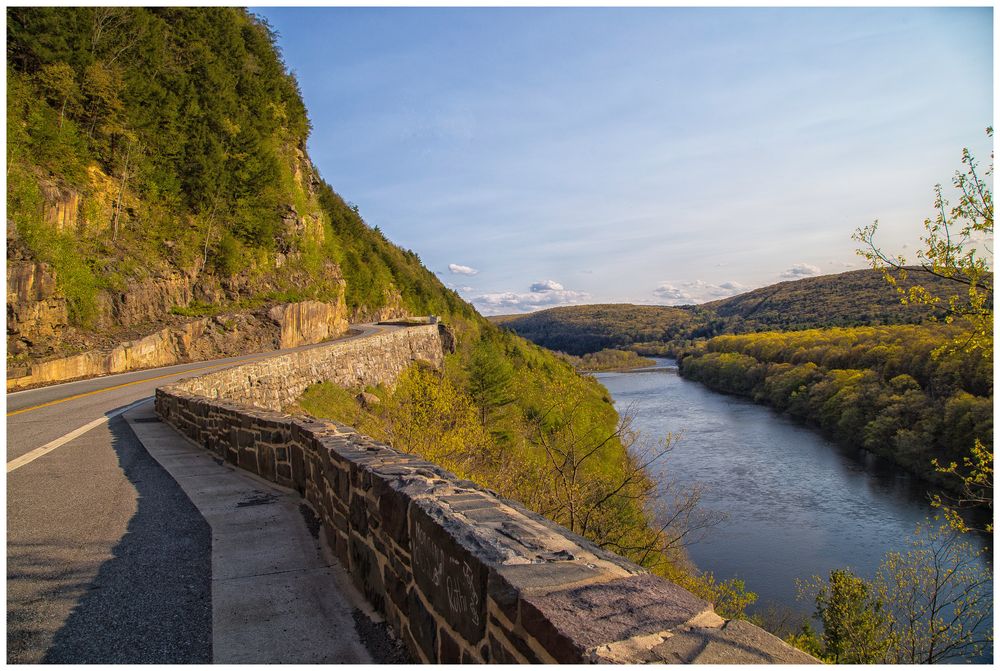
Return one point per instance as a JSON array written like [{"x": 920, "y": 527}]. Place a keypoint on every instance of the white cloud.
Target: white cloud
[
  {"x": 800, "y": 270},
  {"x": 541, "y": 295},
  {"x": 696, "y": 291},
  {"x": 547, "y": 285},
  {"x": 462, "y": 270}
]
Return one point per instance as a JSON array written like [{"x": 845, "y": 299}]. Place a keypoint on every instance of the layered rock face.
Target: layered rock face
[
  {"x": 288, "y": 325},
  {"x": 34, "y": 310},
  {"x": 308, "y": 322},
  {"x": 137, "y": 319}
]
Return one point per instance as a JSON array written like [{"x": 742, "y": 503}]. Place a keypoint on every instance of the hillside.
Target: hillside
[
  {"x": 582, "y": 329},
  {"x": 157, "y": 172},
  {"x": 855, "y": 298}
]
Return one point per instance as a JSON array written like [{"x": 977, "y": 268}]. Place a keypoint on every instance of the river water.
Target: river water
[{"x": 797, "y": 504}]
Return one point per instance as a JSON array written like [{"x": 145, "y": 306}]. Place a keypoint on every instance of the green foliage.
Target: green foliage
[
  {"x": 855, "y": 298},
  {"x": 607, "y": 359},
  {"x": 490, "y": 379},
  {"x": 197, "y": 309},
  {"x": 855, "y": 625},
  {"x": 872, "y": 387},
  {"x": 328, "y": 400},
  {"x": 580, "y": 329},
  {"x": 955, "y": 270},
  {"x": 930, "y": 604},
  {"x": 198, "y": 106}
]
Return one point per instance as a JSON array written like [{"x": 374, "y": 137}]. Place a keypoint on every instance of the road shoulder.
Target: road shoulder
[{"x": 276, "y": 596}]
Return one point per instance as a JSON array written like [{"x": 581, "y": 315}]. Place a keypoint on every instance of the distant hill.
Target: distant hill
[
  {"x": 855, "y": 298},
  {"x": 581, "y": 329}
]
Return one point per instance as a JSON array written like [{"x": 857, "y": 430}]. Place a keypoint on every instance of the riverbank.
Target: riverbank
[
  {"x": 896, "y": 391},
  {"x": 798, "y": 505}
]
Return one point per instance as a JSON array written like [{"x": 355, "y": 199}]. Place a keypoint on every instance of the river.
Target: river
[{"x": 797, "y": 505}]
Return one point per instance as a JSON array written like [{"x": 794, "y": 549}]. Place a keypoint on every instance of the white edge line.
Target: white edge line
[{"x": 24, "y": 459}]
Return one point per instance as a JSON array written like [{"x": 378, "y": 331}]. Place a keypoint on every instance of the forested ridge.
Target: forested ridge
[{"x": 156, "y": 148}]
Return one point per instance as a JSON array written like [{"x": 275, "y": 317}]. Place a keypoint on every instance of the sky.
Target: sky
[{"x": 541, "y": 157}]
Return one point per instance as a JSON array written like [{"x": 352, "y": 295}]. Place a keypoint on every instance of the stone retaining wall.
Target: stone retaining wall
[{"x": 461, "y": 574}]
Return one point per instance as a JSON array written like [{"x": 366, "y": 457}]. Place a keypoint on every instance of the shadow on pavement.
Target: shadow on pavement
[{"x": 150, "y": 603}]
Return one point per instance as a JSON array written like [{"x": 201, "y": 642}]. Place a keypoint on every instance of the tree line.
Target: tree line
[{"x": 880, "y": 388}]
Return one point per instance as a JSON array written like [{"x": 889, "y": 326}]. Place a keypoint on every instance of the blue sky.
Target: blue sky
[{"x": 540, "y": 157}]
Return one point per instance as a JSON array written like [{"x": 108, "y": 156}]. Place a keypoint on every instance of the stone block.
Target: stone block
[
  {"x": 449, "y": 651},
  {"x": 507, "y": 583},
  {"x": 486, "y": 515},
  {"x": 298, "y": 467},
  {"x": 265, "y": 462},
  {"x": 737, "y": 642},
  {"x": 396, "y": 588},
  {"x": 499, "y": 654},
  {"x": 248, "y": 459},
  {"x": 393, "y": 507},
  {"x": 423, "y": 627},
  {"x": 452, "y": 576},
  {"x": 513, "y": 641},
  {"x": 569, "y": 622},
  {"x": 469, "y": 501},
  {"x": 359, "y": 513},
  {"x": 365, "y": 572}
]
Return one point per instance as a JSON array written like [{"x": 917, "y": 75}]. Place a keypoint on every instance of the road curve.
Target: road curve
[{"x": 107, "y": 559}]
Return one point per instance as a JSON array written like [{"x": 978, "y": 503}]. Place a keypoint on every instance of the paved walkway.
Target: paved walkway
[{"x": 276, "y": 596}]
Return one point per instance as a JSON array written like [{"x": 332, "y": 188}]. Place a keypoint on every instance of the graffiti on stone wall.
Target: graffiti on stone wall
[{"x": 450, "y": 581}]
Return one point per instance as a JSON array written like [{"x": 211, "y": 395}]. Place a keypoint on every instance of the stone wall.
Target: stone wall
[
  {"x": 461, "y": 574},
  {"x": 278, "y": 381}
]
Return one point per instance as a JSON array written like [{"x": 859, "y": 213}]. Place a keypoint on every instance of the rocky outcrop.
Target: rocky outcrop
[
  {"x": 283, "y": 326},
  {"x": 462, "y": 575},
  {"x": 34, "y": 310},
  {"x": 308, "y": 322},
  {"x": 145, "y": 300},
  {"x": 61, "y": 206}
]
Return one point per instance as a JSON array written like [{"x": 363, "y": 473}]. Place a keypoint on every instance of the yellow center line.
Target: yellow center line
[{"x": 128, "y": 384}]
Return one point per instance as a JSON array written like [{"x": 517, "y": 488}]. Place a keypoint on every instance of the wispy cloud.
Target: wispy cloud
[
  {"x": 697, "y": 291},
  {"x": 800, "y": 270},
  {"x": 545, "y": 294},
  {"x": 459, "y": 269}
]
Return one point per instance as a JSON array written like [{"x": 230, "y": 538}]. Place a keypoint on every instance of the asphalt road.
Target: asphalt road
[{"x": 107, "y": 559}]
